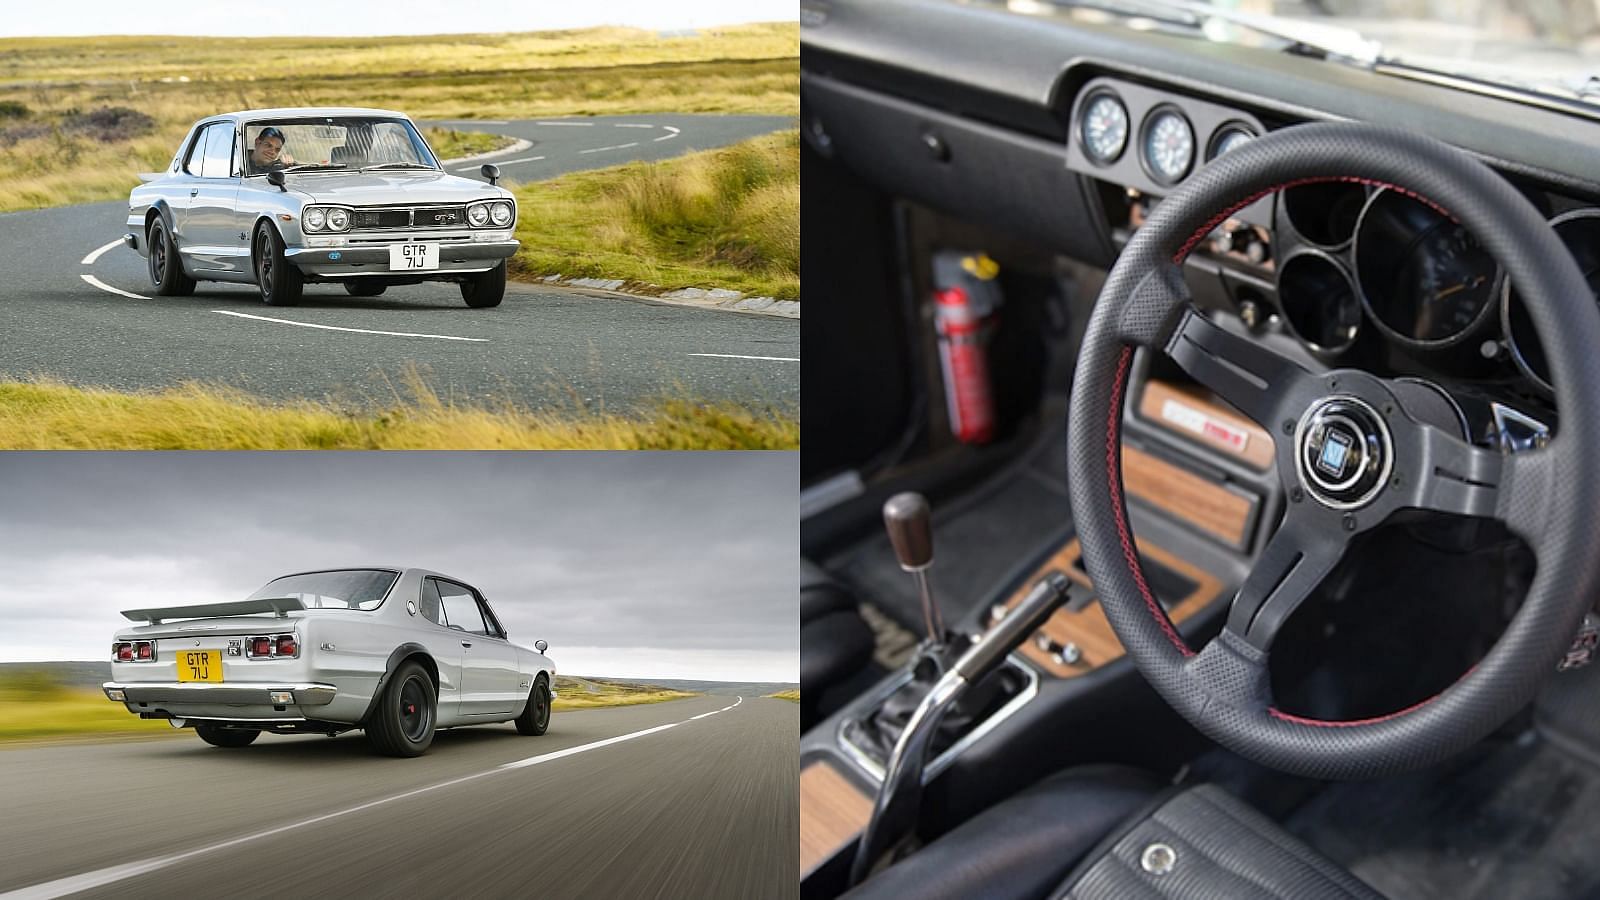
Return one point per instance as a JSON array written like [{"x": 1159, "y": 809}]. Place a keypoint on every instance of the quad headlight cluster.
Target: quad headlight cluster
[
  {"x": 324, "y": 219},
  {"x": 490, "y": 214}
]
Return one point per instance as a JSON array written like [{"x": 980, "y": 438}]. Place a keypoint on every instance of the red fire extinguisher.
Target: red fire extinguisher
[{"x": 966, "y": 296}]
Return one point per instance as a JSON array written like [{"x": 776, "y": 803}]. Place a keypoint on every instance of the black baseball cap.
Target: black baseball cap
[{"x": 271, "y": 131}]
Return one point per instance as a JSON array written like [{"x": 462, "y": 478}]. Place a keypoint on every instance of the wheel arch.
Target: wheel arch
[{"x": 398, "y": 657}]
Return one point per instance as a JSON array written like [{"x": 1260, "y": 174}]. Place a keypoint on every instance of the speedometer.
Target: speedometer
[
  {"x": 1167, "y": 145},
  {"x": 1424, "y": 278},
  {"x": 1104, "y": 128}
]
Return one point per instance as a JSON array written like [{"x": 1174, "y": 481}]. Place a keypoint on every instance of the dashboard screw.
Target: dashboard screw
[
  {"x": 1388, "y": 409},
  {"x": 1288, "y": 426},
  {"x": 1349, "y": 522},
  {"x": 1295, "y": 494}
]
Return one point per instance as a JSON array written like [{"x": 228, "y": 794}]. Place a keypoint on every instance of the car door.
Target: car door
[
  {"x": 444, "y": 645},
  {"x": 489, "y": 662},
  {"x": 213, "y": 240}
]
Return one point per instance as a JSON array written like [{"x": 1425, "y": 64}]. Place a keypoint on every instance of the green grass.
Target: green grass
[
  {"x": 792, "y": 695},
  {"x": 55, "y": 712},
  {"x": 573, "y": 694},
  {"x": 50, "y": 415},
  {"x": 727, "y": 218},
  {"x": 447, "y": 143}
]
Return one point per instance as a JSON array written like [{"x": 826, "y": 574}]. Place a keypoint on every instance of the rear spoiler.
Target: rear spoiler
[{"x": 279, "y": 606}]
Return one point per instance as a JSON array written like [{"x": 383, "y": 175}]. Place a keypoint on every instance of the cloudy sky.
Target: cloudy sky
[
  {"x": 378, "y": 17},
  {"x": 666, "y": 565}
]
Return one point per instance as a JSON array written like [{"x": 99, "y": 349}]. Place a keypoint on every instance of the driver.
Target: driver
[{"x": 268, "y": 153}]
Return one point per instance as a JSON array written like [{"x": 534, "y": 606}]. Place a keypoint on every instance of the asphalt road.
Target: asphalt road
[
  {"x": 89, "y": 318},
  {"x": 706, "y": 808}
]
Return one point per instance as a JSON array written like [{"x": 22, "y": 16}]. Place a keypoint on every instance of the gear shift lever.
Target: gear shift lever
[{"x": 910, "y": 526}]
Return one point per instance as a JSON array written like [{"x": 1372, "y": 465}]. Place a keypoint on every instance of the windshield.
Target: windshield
[
  {"x": 348, "y": 142},
  {"x": 339, "y": 589}
]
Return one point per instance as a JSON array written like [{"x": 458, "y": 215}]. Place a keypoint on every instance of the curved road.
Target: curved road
[
  {"x": 704, "y": 807},
  {"x": 76, "y": 305}
]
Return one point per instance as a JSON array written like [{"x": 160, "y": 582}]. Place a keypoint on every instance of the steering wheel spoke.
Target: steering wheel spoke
[
  {"x": 1449, "y": 475},
  {"x": 1297, "y": 558},
  {"x": 1254, "y": 379}
]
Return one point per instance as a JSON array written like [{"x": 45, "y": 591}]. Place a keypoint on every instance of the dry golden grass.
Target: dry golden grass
[
  {"x": 65, "y": 712},
  {"x": 792, "y": 695},
  {"x": 49, "y": 415},
  {"x": 447, "y": 143},
  {"x": 574, "y": 693},
  {"x": 726, "y": 218}
]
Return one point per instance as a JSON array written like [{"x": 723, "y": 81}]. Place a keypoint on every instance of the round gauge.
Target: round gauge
[
  {"x": 1104, "y": 128},
  {"x": 1167, "y": 143},
  {"x": 1229, "y": 137},
  {"x": 1579, "y": 231},
  {"x": 1424, "y": 278}
]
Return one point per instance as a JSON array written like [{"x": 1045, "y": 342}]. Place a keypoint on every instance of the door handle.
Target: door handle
[
  {"x": 194, "y": 191},
  {"x": 466, "y": 643}
]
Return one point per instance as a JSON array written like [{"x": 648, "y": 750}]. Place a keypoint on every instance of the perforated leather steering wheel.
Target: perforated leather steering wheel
[{"x": 1349, "y": 454}]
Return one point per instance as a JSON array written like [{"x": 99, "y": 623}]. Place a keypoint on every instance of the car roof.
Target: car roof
[{"x": 296, "y": 112}]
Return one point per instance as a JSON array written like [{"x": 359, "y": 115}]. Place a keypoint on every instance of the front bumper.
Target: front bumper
[
  {"x": 455, "y": 257},
  {"x": 194, "y": 693}
]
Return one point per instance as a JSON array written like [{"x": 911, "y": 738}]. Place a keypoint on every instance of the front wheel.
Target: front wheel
[
  {"x": 535, "y": 718},
  {"x": 232, "y": 738},
  {"x": 403, "y": 723},
  {"x": 166, "y": 269},
  {"x": 280, "y": 281},
  {"x": 485, "y": 289}
]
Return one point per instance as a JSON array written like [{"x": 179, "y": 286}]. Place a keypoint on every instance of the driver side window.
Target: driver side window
[
  {"x": 460, "y": 608},
  {"x": 431, "y": 606}
]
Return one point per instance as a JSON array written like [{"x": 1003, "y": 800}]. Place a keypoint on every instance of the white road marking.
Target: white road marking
[
  {"x": 569, "y": 124},
  {"x": 737, "y": 356},
  {"x": 715, "y": 711},
  {"x": 439, "y": 337},
  {"x": 473, "y": 122},
  {"x": 616, "y": 147},
  {"x": 106, "y": 287},
  {"x": 85, "y": 881},
  {"x": 668, "y": 137},
  {"x": 630, "y": 125},
  {"x": 89, "y": 260},
  {"x": 522, "y": 160}
]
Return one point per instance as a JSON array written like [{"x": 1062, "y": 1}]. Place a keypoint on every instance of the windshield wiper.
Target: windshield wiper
[
  {"x": 314, "y": 167},
  {"x": 397, "y": 165}
]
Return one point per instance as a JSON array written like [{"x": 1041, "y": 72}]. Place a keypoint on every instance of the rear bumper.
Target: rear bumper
[
  {"x": 191, "y": 693},
  {"x": 455, "y": 257}
]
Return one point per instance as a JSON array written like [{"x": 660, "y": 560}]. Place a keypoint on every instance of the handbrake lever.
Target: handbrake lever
[{"x": 894, "y": 814}]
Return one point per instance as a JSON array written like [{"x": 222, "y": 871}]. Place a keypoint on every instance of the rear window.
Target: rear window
[{"x": 338, "y": 589}]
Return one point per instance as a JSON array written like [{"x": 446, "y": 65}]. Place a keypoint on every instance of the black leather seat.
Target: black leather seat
[
  {"x": 835, "y": 644},
  {"x": 1112, "y": 832}
]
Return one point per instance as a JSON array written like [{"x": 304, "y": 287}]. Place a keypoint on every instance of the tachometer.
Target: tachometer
[
  {"x": 1104, "y": 128},
  {"x": 1424, "y": 278},
  {"x": 1167, "y": 145},
  {"x": 1579, "y": 230}
]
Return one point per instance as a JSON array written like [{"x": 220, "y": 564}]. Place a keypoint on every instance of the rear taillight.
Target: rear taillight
[
  {"x": 273, "y": 646},
  {"x": 144, "y": 651},
  {"x": 122, "y": 652}
]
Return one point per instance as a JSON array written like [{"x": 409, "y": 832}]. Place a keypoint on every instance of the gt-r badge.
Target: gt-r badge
[{"x": 236, "y": 647}]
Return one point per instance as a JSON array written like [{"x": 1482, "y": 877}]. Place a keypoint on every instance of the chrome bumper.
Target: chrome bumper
[
  {"x": 373, "y": 259},
  {"x": 255, "y": 694}
]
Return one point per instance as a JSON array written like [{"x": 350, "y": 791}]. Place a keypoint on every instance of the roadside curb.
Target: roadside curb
[{"x": 705, "y": 298}]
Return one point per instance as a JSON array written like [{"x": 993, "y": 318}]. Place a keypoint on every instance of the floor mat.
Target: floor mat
[{"x": 1518, "y": 818}]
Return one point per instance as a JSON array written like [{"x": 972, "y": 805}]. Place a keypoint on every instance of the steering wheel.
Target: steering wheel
[{"x": 1349, "y": 454}]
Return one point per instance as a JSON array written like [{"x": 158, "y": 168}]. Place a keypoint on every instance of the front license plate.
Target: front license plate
[
  {"x": 200, "y": 665},
  {"x": 413, "y": 257}
]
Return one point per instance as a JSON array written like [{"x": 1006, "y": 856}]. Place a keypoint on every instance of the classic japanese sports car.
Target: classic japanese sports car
[
  {"x": 396, "y": 652},
  {"x": 1243, "y": 356},
  {"x": 282, "y": 197}
]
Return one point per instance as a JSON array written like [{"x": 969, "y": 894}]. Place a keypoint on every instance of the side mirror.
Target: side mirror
[
  {"x": 492, "y": 172},
  {"x": 275, "y": 178},
  {"x": 541, "y": 646}
]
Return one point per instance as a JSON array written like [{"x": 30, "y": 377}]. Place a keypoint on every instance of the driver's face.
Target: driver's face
[{"x": 267, "y": 149}]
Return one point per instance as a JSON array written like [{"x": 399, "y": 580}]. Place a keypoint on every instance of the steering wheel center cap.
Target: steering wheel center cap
[{"x": 1343, "y": 452}]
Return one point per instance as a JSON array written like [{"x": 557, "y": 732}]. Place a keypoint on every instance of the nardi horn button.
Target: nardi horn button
[{"x": 1344, "y": 452}]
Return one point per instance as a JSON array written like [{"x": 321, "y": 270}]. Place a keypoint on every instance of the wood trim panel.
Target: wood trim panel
[
  {"x": 1087, "y": 627},
  {"x": 833, "y": 812},
  {"x": 1191, "y": 498},
  {"x": 1188, "y": 410}
]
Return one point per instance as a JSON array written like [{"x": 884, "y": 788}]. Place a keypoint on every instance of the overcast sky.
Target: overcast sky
[
  {"x": 666, "y": 565},
  {"x": 378, "y": 17}
]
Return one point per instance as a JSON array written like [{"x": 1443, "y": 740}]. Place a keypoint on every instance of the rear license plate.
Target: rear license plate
[
  {"x": 417, "y": 257},
  {"x": 200, "y": 665}
]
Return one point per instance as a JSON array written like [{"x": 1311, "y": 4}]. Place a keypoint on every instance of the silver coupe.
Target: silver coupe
[
  {"x": 396, "y": 652},
  {"x": 281, "y": 197}
]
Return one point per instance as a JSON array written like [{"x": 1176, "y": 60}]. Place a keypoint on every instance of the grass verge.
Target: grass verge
[
  {"x": 591, "y": 693},
  {"x": 727, "y": 218},
  {"x": 791, "y": 695},
  {"x": 447, "y": 143},
  {"x": 49, "y": 415},
  {"x": 64, "y": 712}
]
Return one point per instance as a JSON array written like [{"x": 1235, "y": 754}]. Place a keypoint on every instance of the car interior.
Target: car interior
[{"x": 1187, "y": 510}]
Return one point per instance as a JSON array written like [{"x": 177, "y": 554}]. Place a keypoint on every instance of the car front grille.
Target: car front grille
[{"x": 418, "y": 217}]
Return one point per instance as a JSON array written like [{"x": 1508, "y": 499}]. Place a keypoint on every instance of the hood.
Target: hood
[{"x": 393, "y": 188}]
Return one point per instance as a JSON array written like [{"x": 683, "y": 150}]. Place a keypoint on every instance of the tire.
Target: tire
[
  {"x": 232, "y": 738},
  {"x": 403, "y": 724},
  {"x": 364, "y": 288},
  {"x": 485, "y": 289},
  {"x": 535, "y": 718},
  {"x": 166, "y": 266},
  {"x": 280, "y": 282}
]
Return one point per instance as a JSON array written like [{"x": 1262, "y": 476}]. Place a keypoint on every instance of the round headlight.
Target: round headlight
[
  {"x": 501, "y": 213},
  {"x": 314, "y": 219},
  {"x": 338, "y": 219},
  {"x": 478, "y": 215}
]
